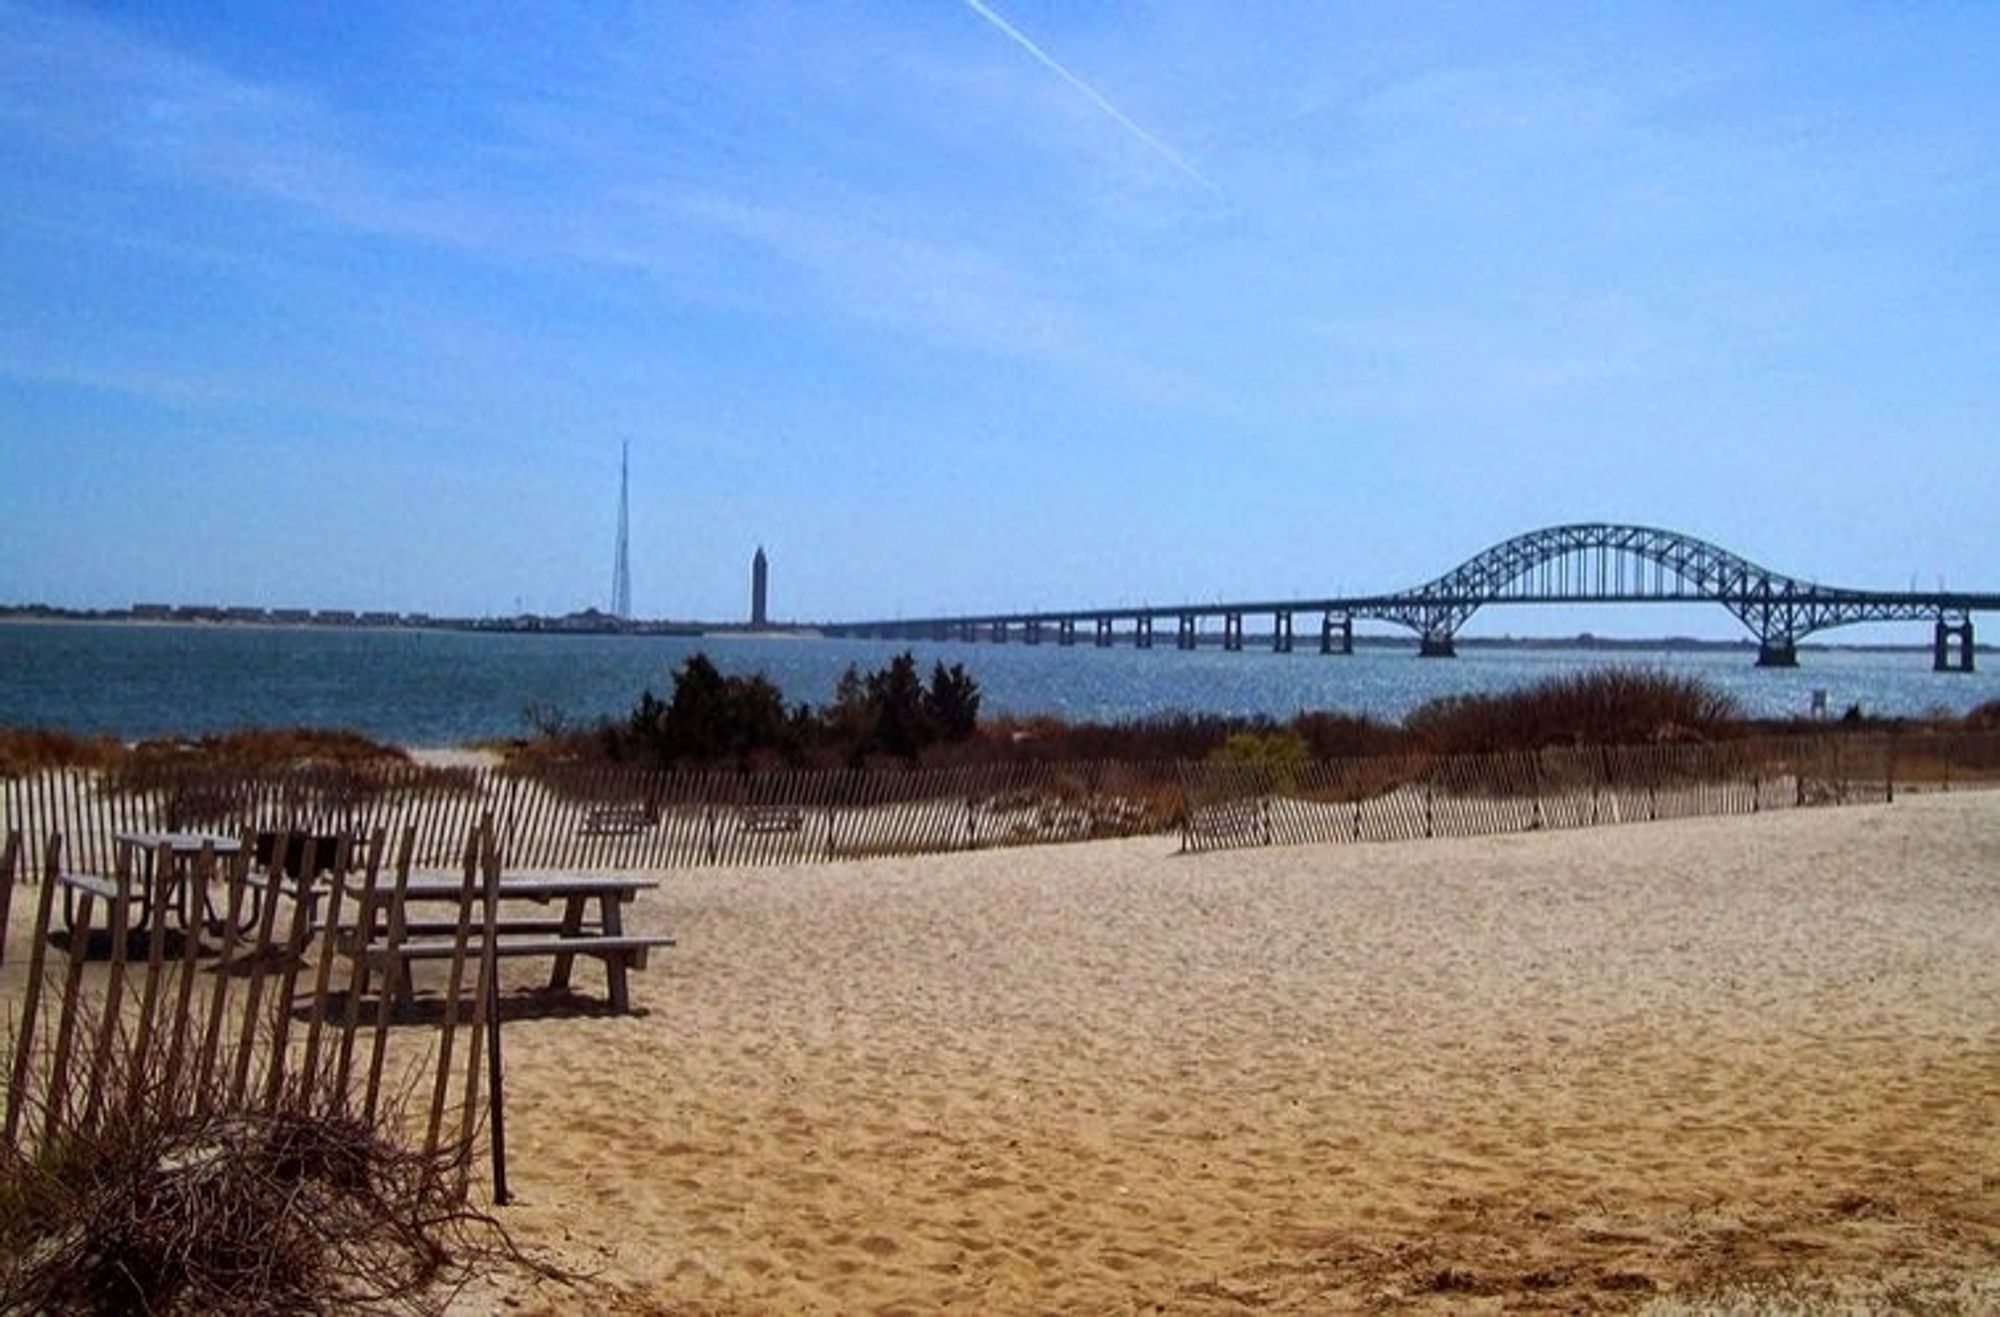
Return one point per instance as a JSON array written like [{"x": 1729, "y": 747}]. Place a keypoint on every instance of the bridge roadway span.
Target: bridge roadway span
[{"x": 1593, "y": 563}]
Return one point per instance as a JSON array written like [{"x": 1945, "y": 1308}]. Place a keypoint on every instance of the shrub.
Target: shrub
[
  {"x": 255, "y": 750},
  {"x": 898, "y": 723},
  {"x": 182, "y": 1202},
  {"x": 1602, "y": 707},
  {"x": 1281, "y": 749},
  {"x": 1343, "y": 735},
  {"x": 709, "y": 718},
  {"x": 29, "y": 750},
  {"x": 952, "y": 703}
]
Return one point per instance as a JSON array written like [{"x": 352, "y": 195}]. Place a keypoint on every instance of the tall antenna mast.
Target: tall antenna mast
[{"x": 621, "y": 571}]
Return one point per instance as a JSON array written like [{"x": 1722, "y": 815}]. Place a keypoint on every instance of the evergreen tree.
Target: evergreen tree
[
  {"x": 896, "y": 697},
  {"x": 952, "y": 702}
]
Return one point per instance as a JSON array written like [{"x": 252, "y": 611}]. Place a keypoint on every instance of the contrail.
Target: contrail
[{"x": 1020, "y": 39}]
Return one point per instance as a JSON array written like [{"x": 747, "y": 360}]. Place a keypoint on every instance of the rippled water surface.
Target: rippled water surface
[{"x": 437, "y": 687}]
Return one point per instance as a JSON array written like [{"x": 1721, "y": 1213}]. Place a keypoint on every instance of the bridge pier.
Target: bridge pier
[
  {"x": 1778, "y": 652},
  {"x": 1142, "y": 631},
  {"x": 1031, "y": 632},
  {"x": 1066, "y": 632},
  {"x": 1326, "y": 631},
  {"x": 1232, "y": 632},
  {"x": 999, "y": 633},
  {"x": 1947, "y": 638},
  {"x": 1184, "y": 632},
  {"x": 1281, "y": 633},
  {"x": 1436, "y": 647},
  {"x": 1104, "y": 633}
]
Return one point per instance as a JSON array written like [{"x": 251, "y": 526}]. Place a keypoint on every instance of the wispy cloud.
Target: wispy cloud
[
  {"x": 871, "y": 266},
  {"x": 1096, "y": 97},
  {"x": 84, "y": 86}
]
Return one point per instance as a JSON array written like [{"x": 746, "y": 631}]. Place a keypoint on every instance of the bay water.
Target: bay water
[{"x": 417, "y": 687}]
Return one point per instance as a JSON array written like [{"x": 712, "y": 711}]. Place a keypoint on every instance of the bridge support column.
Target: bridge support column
[
  {"x": 1778, "y": 652},
  {"x": 1031, "y": 632},
  {"x": 1281, "y": 633},
  {"x": 1185, "y": 635},
  {"x": 1142, "y": 631},
  {"x": 1436, "y": 647},
  {"x": 1066, "y": 631},
  {"x": 1327, "y": 628},
  {"x": 999, "y": 633},
  {"x": 1104, "y": 633},
  {"x": 1948, "y": 637},
  {"x": 1232, "y": 631}
]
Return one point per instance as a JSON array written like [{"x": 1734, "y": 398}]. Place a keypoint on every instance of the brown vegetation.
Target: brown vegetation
[
  {"x": 264, "y": 749},
  {"x": 25, "y": 750},
  {"x": 247, "y": 751},
  {"x": 1608, "y": 706},
  {"x": 182, "y": 1197},
  {"x": 1612, "y": 706}
]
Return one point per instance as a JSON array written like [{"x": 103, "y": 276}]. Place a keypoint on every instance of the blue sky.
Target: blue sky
[{"x": 352, "y": 305}]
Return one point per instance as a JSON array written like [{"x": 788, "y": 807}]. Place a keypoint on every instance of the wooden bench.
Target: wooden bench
[
  {"x": 102, "y": 888},
  {"x": 1231, "y": 820},
  {"x": 773, "y": 818},
  {"x": 621, "y": 953},
  {"x": 618, "y": 821}
]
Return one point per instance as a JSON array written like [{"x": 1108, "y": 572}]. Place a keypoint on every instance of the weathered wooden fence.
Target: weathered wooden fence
[
  {"x": 121, "y": 1017},
  {"x": 618, "y": 819},
  {"x": 1400, "y": 797},
  {"x": 605, "y": 819}
]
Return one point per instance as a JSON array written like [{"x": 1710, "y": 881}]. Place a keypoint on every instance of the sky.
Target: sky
[{"x": 957, "y": 306}]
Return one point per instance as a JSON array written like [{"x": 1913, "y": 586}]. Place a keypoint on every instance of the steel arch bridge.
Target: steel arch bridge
[
  {"x": 1594, "y": 562},
  {"x": 1603, "y": 563}
]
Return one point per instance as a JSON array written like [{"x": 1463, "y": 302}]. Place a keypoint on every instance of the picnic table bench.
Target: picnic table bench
[
  {"x": 1232, "y": 820},
  {"x": 391, "y": 940},
  {"x": 618, "y": 821},
  {"x": 773, "y": 818}
]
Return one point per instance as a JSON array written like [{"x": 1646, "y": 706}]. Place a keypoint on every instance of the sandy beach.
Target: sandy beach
[
  {"x": 1708, "y": 1065},
  {"x": 1655, "y": 1066}
]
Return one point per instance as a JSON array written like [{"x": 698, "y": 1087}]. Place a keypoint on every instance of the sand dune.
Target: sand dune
[{"x": 1559, "y": 1071}]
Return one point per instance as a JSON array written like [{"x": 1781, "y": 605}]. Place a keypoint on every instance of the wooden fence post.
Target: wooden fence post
[
  {"x": 24, "y": 1037},
  {"x": 10, "y": 860}
]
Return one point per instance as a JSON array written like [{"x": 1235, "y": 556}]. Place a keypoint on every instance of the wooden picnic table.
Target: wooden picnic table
[
  {"x": 171, "y": 879},
  {"x": 559, "y": 916}
]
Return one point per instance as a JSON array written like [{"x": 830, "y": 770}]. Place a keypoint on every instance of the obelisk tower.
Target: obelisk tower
[{"x": 760, "y": 585}]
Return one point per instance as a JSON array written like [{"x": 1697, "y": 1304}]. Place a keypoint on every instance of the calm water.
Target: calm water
[{"x": 441, "y": 688}]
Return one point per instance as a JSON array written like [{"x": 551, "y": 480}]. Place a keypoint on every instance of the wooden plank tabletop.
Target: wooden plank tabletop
[{"x": 183, "y": 843}]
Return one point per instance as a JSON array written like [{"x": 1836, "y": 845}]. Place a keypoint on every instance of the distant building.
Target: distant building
[{"x": 760, "y": 587}]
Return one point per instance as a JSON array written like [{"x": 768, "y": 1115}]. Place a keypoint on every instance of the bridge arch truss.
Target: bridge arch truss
[{"x": 1606, "y": 563}]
